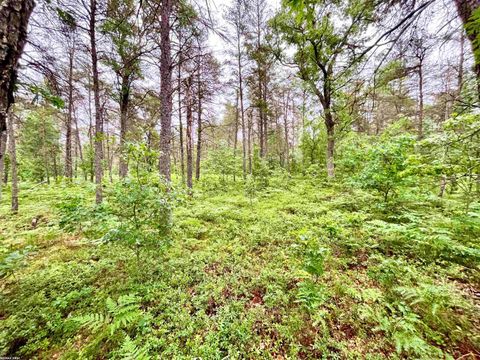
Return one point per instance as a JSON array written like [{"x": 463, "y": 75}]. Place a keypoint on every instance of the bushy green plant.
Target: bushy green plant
[
  {"x": 14, "y": 260},
  {"x": 260, "y": 170},
  {"x": 141, "y": 203},
  {"x": 39, "y": 146},
  {"x": 143, "y": 211},
  {"x": 453, "y": 156},
  {"x": 223, "y": 162},
  {"x": 77, "y": 214},
  {"x": 386, "y": 164}
]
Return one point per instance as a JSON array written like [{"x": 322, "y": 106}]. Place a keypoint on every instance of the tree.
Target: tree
[
  {"x": 166, "y": 9},
  {"x": 208, "y": 84},
  {"x": 235, "y": 16},
  {"x": 126, "y": 37},
  {"x": 14, "y": 17},
  {"x": 469, "y": 13},
  {"x": 98, "y": 160},
  {"x": 39, "y": 145},
  {"x": 327, "y": 50}
]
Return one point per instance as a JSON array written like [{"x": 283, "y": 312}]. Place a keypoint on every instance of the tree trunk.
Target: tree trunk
[
  {"x": 68, "y": 135},
  {"x": 98, "y": 113},
  {"x": 199, "y": 131},
  {"x": 180, "y": 121},
  {"x": 90, "y": 129},
  {"x": 13, "y": 161},
  {"x": 3, "y": 150},
  {"x": 260, "y": 118},
  {"x": 79, "y": 143},
  {"x": 165, "y": 90},
  {"x": 285, "y": 124},
  {"x": 14, "y": 16},
  {"x": 124, "y": 106},
  {"x": 330, "y": 124},
  {"x": 460, "y": 65},
  {"x": 420, "y": 103},
  {"x": 265, "y": 121},
  {"x": 249, "y": 142},
  {"x": 242, "y": 112},
  {"x": 465, "y": 9},
  {"x": 235, "y": 136},
  {"x": 189, "y": 104}
]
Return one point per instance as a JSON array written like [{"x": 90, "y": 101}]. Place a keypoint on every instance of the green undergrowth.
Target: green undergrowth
[{"x": 304, "y": 269}]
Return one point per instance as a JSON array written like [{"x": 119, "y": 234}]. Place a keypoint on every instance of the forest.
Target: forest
[{"x": 240, "y": 179}]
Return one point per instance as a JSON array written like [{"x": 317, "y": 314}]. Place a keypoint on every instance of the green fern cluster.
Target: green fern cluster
[{"x": 122, "y": 316}]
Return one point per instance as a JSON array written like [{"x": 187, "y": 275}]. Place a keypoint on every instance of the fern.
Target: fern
[
  {"x": 92, "y": 321},
  {"x": 120, "y": 315},
  {"x": 130, "y": 351}
]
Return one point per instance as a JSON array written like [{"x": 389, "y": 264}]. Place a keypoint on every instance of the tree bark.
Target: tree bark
[
  {"x": 420, "y": 103},
  {"x": 165, "y": 90},
  {"x": 242, "y": 112},
  {"x": 330, "y": 124},
  {"x": 3, "y": 150},
  {"x": 13, "y": 162},
  {"x": 14, "y": 16},
  {"x": 199, "y": 129},
  {"x": 189, "y": 104},
  {"x": 285, "y": 124},
  {"x": 124, "y": 107},
  {"x": 465, "y": 9},
  {"x": 460, "y": 65},
  {"x": 180, "y": 121},
  {"x": 79, "y": 143},
  {"x": 235, "y": 134},
  {"x": 249, "y": 142},
  {"x": 68, "y": 135},
  {"x": 98, "y": 112}
]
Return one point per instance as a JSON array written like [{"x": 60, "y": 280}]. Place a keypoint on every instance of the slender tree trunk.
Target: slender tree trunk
[
  {"x": 242, "y": 112},
  {"x": 55, "y": 165},
  {"x": 189, "y": 104},
  {"x": 3, "y": 150},
  {"x": 285, "y": 124},
  {"x": 249, "y": 142},
  {"x": 265, "y": 120},
  {"x": 330, "y": 124},
  {"x": 260, "y": 119},
  {"x": 90, "y": 129},
  {"x": 460, "y": 65},
  {"x": 68, "y": 135},
  {"x": 235, "y": 135},
  {"x": 79, "y": 143},
  {"x": 180, "y": 121},
  {"x": 165, "y": 90},
  {"x": 13, "y": 161},
  {"x": 420, "y": 103},
  {"x": 124, "y": 107},
  {"x": 98, "y": 113},
  {"x": 199, "y": 130}
]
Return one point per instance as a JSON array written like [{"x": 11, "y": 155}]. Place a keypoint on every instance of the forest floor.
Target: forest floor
[{"x": 304, "y": 269}]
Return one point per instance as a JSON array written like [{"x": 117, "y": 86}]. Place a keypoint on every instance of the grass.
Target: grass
[{"x": 394, "y": 282}]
